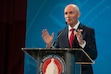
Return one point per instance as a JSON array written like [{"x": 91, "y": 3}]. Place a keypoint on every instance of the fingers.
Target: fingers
[
  {"x": 79, "y": 34},
  {"x": 79, "y": 30},
  {"x": 52, "y": 35},
  {"x": 44, "y": 33}
]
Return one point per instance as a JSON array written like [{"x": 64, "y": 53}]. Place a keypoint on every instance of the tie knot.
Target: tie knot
[{"x": 72, "y": 29}]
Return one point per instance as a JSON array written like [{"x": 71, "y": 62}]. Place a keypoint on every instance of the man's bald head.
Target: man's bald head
[{"x": 73, "y": 6}]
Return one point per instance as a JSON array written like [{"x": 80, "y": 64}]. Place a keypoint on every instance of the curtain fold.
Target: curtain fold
[{"x": 12, "y": 36}]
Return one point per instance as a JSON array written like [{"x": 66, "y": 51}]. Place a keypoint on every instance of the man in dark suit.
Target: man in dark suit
[{"x": 75, "y": 35}]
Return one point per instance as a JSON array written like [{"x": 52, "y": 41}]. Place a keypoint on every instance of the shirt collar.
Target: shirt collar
[{"x": 75, "y": 27}]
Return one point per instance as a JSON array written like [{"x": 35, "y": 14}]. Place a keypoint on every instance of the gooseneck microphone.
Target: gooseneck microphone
[{"x": 56, "y": 39}]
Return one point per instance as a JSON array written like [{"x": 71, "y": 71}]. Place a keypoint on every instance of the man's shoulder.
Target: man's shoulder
[{"x": 85, "y": 27}]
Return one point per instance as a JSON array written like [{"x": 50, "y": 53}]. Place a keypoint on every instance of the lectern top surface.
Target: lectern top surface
[{"x": 81, "y": 57}]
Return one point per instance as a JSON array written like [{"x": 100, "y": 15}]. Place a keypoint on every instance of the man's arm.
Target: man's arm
[
  {"x": 88, "y": 43},
  {"x": 90, "y": 46}
]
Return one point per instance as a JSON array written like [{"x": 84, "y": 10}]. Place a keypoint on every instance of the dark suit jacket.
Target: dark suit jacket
[{"x": 90, "y": 47}]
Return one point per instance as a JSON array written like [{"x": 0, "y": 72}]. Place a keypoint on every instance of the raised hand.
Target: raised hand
[
  {"x": 79, "y": 36},
  {"x": 47, "y": 38}
]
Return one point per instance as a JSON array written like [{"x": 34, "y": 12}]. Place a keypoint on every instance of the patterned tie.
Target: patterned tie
[{"x": 71, "y": 37}]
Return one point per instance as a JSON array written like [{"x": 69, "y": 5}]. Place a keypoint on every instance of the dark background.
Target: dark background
[{"x": 12, "y": 36}]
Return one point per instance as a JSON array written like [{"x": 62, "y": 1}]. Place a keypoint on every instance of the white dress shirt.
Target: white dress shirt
[{"x": 75, "y": 27}]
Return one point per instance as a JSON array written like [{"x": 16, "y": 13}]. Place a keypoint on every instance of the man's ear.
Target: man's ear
[{"x": 78, "y": 14}]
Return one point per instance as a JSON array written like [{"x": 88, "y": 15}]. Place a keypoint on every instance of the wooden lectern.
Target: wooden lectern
[{"x": 59, "y": 60}]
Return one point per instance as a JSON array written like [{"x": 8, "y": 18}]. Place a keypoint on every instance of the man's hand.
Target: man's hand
[
  {"x": 47, "y": 38},
  {"x": 79, "y": 36}
]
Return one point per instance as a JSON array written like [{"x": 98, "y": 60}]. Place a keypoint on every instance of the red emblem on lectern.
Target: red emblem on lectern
[{"x": 52, "y": 64}]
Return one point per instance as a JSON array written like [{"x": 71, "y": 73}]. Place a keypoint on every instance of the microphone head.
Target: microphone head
[{"x": 66, "y": 22}]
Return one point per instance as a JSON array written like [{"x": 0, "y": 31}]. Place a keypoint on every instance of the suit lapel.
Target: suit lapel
[
  {"x": 66, "y": 37},
  {"x": 75, "y": 43}
]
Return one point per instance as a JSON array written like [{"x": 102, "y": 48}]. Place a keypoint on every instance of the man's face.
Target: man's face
[{"x": 71, "y": 15}]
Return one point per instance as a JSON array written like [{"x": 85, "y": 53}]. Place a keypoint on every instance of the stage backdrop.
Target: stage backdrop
[{"x": 49, "y": 14}]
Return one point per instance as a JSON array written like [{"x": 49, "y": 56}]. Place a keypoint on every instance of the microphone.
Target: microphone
[
  {"x": 56, "y": 39},
  {"x": 66, "y": 22}
]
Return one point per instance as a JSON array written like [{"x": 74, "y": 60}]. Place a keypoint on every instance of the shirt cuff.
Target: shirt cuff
[{"x": 83, "y": 45}]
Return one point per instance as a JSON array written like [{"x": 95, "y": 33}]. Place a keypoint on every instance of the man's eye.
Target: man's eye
[
  {"x": 70, "y": 12},
  {"x": 65, "y": 12}
]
